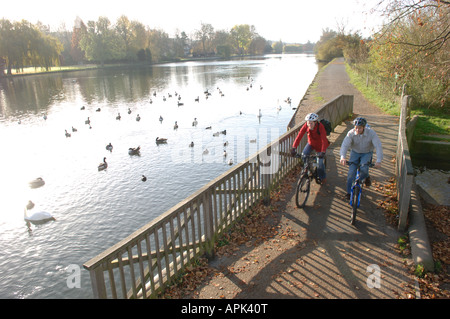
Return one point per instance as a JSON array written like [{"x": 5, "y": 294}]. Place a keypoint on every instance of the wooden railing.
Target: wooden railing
[
  {"x": 153, "y": 256},
  {"x": 403, "y": 169}
]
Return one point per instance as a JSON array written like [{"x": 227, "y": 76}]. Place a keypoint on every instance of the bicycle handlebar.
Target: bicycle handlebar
[{"x": 359, "y": 165}]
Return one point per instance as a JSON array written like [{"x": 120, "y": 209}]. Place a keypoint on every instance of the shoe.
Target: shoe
[
  {"x": 347, "y": 196},
  {"x": 368, "y": 182},
  {"x": 324, "y": 181}
]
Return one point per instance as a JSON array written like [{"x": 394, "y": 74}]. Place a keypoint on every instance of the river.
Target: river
[{"x": 95, "y": 209}]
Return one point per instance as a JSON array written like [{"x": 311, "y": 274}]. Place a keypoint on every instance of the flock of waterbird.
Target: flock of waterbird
[
  {"x": 160, "y": 140},
  {"x": 41, "y": 217}
]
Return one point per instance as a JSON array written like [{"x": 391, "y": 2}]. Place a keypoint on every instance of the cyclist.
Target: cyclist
[
  {"x": 317, "y": 140},
  {"x": 361, "y": 140}
]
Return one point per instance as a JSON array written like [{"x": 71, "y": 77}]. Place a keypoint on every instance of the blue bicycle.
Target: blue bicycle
[{"x": 355, "y": 195}]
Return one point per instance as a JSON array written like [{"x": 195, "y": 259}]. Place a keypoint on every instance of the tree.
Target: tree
[
  {"x": 242, "y": 36},
  {"x": 414, "y": 46},
  {"x": 101, "y": 43},
  {"x": 205, "y": 35}
]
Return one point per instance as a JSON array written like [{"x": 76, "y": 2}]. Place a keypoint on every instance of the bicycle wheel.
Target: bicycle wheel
[
  {"x": 301, "y": 196},
  {"x": 355, "y": 195}
]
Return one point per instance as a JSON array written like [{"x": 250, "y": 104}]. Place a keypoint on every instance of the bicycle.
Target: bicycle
[
  {"x": 356, "y": 192},
  {"x": 308, "y": 173}
]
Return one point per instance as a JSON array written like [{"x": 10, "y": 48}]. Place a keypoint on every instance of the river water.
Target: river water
[{"x": 95, "y": 209}]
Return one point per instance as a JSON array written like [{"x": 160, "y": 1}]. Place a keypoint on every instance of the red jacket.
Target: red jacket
[{"x": 319, "y": 142}]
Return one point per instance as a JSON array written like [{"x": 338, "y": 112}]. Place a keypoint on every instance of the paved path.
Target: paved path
[{"x": 316, "y": 253}]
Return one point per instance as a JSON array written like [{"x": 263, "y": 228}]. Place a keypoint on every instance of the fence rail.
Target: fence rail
[{"x": 153, "y": 256}]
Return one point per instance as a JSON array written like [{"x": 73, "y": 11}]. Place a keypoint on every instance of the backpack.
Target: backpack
[{"x": 327, "y": 125}]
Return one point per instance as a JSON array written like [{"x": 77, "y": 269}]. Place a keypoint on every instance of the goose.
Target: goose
[
  {"x": 195, "y": 122},
  {"x": 143, "y": 178},
  {"x": 224, "y": 132},
  {"x": 88, "y": 121},
  {"x": 68, "y": 134},
  {"x": 151, "y": 101},
  {"x": 161, "y": 118},
  {"x": 205, "y": 151},
  {"x": 129, "y": 111},
  {"x": 197, "y": 99},
  {"x": 134, "y": 151},
  {"x": 82, "y": 108},
  {"x": 38, "y": 217},
  {"x": 225, "y": 144},
  {"x": 37, "y": 182},
  {"x": 175, "y": 126},
  {"x": 118, "y": 117},
  {"x": 164, "y": 98},
  {"x": 74, "y": 129},
  {"x": 192, "y": 144},
  {"x": 180, "y": 104},
  {"x": 253, "y": 141},
  {"x": 98, "y": 110},
  {"x": 216, "y": 134},
  {"x": 224, "y": 153},
  {"x": 138, "y": 118},
  {"x": 109, "y": 147},
  {"x": 45, "y": 116},
  {"x": 103, "y": 165},
  {"x": 208, "y": 128},
  {"x": 160, "y": 140}
]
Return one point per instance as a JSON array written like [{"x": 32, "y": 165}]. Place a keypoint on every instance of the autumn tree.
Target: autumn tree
[{"x": 414, "y": 46}]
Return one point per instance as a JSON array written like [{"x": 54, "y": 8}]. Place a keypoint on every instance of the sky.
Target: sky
[{"x": 290, "y": 21}]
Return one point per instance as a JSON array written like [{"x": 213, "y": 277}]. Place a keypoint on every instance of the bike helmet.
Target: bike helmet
[
  {"x": 360, "y": 121},
  {"x": 312, "y": 117}
]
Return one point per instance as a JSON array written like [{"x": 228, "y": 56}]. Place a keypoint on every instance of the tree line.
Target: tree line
[
  {"x": 411, "y": 48},
  {"x": 23, "y": 44}
]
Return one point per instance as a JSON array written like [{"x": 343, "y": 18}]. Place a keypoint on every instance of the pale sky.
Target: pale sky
[{"x": 286, "y": 20}]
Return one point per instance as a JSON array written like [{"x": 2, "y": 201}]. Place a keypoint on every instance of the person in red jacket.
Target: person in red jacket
[{"x": 317, "y": 140}]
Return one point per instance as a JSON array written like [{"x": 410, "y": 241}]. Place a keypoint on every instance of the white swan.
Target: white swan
[
  {"x": 38, "y": 182},
  {"x": 38, "y": 217}
]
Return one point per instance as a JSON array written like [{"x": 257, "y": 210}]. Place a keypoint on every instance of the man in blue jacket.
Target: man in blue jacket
[{"x": 361, "y": 140}]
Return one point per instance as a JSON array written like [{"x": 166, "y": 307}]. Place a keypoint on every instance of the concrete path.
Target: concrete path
[{"x": 316, "y": 252}]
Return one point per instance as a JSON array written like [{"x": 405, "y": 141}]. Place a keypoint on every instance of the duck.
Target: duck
[
  {"x": 160, "y": 140},
  {"x": 129, "y": 111},
  {"x": 224, "y": 132},
  {"x": 197, "y": 99},
  {"x": 143, "y": 178},
  {"x": 161, "y": 118},
  {"x": 206, "y": 151},
  {"x": 195, "y": 122},
  {"x": 82, "y": 108},
  {"x": 230, "y": 162},
  {"x": 175, "y": 126},
  {"x": 37, "y": 182},
  {"x": 103, "y": 166},
  {"x": 225, "y": 144},
  {"x": 180, "y": 104},
  {"x": 98, "y": 110},
  {"x": 216, "y": 134},
  {"x": 88, "y": 121},
  {"x": 109, "y": 147},
  {"x": 134, "y": 151},
  {"x": 191, "y": 144},
  {"x": 225, "y": 153},
  {"x": 118, "y": 117},
  {"x": 259, "y": 114},
  {"x": 253, "y": 141},
  {"x": 68, "y": 134},
  {"x": 74, "y": 129},
  {"x": 208, "y": 128},
  {"x": 45, "y": 116},
  {"x": 138, "y": 118},
  {"x": 38, "y": 217},
  {"x": 29, "y": 205}
]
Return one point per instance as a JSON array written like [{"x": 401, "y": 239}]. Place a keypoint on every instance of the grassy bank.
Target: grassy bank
[{"x": 432, "y": 123}]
